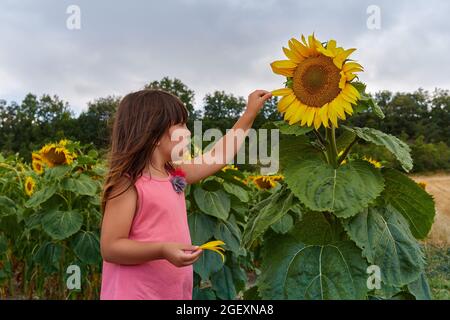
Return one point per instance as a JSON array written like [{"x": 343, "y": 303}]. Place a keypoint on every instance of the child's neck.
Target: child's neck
[{"x": 157, "y": 170}]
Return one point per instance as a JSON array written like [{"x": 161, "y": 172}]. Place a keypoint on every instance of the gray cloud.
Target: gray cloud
[{"x": 210, "y": 45}]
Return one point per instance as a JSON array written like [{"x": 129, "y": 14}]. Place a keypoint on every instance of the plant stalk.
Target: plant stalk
[{"x": 331, "y": 146}]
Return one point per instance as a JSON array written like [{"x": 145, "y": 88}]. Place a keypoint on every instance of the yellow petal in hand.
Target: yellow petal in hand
[{"x": 214, "y": 246}]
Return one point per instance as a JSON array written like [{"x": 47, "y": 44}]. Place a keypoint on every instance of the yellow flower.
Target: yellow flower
[
  {"x": 38, "y": 166},
  {"x": 214, "y": 246},
  {"x": 229, "y": 167},
  {"x": 422, "y": 184},
  {"x": 375, "y": 163},
  {"x": 54, "y": 154},
  {"x": 318, "y": 89},
  {"x": 29, "y": 186},
  {"x": 266, "y": 182}
]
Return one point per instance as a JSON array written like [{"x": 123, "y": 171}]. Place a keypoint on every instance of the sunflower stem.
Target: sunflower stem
[
  {"x": 346, "y": 151},
  {"x": 331, "y": 146}
]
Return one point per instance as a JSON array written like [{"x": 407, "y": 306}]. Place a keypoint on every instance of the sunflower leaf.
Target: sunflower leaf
[
  {"x": 215, "y": 203},
  {"x": 265, "y": 214},
  {"x": 61, "y": 224},
  {"x": 345, "y": 191},
  {"x": 385, "y": 239},
  {"x": 327, "y": 269},
  {"x": 414, "y": 203},
  {"x": 396, "y": 146}
]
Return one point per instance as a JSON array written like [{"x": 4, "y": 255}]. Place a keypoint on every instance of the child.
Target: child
[{"x": 145, "y": 241}]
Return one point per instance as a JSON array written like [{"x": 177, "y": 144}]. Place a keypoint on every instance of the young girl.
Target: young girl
[{"x": 145, "y": 241}]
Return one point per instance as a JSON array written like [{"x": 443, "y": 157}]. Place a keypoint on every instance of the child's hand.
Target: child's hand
[
  {"x": 180, "y": 254},
  {"x": 256, "y": 101}
]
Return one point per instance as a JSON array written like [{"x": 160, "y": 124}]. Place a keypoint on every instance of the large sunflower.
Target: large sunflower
[
  {"x": 318, "y": 89},
  {"x": 54, "y": 154}
]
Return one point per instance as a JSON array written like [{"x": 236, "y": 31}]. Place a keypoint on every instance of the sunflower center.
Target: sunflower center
[
  {"x": 55, "y": 157},
  {"x": 316, "y": 81}
]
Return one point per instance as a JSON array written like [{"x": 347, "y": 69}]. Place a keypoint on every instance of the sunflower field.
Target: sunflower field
[{"x": 332, "y": 224}]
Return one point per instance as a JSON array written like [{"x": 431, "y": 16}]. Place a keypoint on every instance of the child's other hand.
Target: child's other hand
[
  {"x": 256, "y": 101},
  {"x": 180, "y": 254}
]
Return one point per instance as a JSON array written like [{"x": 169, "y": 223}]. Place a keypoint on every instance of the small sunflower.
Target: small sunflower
[
  {"x": 422, "y": 184},
  {"x": 38, "y": 166},
  {"x": 318, "y": 87},
  {"x": 229, "y": 167},
  {"x": 30, "y": 184},
  {"x": 54, "y": 154},
  {"x": 375, "y": 163},
  {"x": 266, "y": 182}
]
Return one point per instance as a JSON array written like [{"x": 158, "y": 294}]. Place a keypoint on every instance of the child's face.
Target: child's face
[{"x": 174, "y": 144}]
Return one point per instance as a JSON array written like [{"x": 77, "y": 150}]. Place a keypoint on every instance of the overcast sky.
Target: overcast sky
[{"x": 209, "y": 45}]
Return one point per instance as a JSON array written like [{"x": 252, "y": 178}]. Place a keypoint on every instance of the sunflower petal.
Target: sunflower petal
[
  {"x": 352, "y": 67},
  {"x": 284, "y": 67},
  {"x": 311, "y": 111},
  {"x": 300, "y": 47},
  {"x": 285, "y": 102},
  {"x": 291, "y": 55},
  {"x": 282, "y": 92},
  {"x": 353, "y": 90},
  {"x": 323, "y": 113},
  {"x": 340, "y": 58},
  {"x": 317, "y": 120},
  {"x": 299, "y": 111}
]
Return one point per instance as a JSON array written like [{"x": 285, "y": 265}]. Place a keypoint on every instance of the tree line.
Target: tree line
[{"x": 421, "y": 118}]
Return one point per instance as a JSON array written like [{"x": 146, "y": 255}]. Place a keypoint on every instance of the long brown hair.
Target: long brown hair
[{"x": 139, "y": 123}]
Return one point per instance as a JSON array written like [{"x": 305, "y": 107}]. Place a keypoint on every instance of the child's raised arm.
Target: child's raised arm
[
  {"x": 117, "y": 248},
  {"x": 204, "y": 165}
]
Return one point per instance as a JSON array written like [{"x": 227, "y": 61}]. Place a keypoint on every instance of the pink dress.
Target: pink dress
[{"x": 160, "y": 217}]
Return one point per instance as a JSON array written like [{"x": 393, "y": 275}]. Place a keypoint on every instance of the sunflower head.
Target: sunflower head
[
  {"x": 54, "y": 154},
  {"x": 318, "y": 90},
  {"x": 38, "y": 166},
  {"x": 374, "y": 162},
  {"x": 229, "y": 167},
  {"x": 29, "y": 186},
  {"x": 266, "y": 182}
]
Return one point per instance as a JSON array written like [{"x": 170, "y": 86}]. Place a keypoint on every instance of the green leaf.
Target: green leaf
[
  {"x": 201, "y": 227},
  {"x": 223, "y": 285},
  {"x": 203, "y": 294},
  {"x": 386, "y": 241},
  {"x": 283, "y": 225},
  {"x": 61, "y": 224},
  {"x": 3, "y": 244},
  {"x": 414, "y": 203},
  {"x": 83, "y": 185},
  {"x": 228, "y": 232},
  {"x": 214, "y": 203},
  {"x": 86, "y": 246},
  {"x": 344, "y": 140},
  {"x": 208, "y": 263},
  {"x": 237, "y": 191},
  {"x": 292, "y": 269},
  {"x": 297, "y": 130},
  {"x": 49, "y": 255},
  {"x": 252, "y": 294},
  {"x": 7, "y": 206},
  {"x": 41, "y": 196},
  {"x": 344, "y": 191},
  {"x": 57, "y": 172},
  {"x": 420, "y": 288},
  {"x": 266, "y": 213},
  {"x": 396, "y": 146}
]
